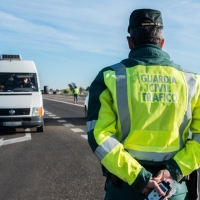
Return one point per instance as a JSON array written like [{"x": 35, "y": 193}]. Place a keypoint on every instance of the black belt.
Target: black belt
[{"x": 154, "y": 169}]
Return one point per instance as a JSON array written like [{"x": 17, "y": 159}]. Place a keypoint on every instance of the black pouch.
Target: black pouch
[
  {"x": 117, "y": 182},
  {"x": 193, "y": 183}
]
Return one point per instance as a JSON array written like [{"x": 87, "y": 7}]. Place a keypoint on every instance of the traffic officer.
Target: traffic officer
[
  {"x": 140, "y": 113},
  {"x": 76, "y": 93}
]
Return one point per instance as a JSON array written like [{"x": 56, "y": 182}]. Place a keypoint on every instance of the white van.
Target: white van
[{"x": 21, "y": 103}]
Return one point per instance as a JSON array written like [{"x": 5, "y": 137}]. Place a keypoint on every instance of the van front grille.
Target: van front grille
[{"x": 14, "y": 111}]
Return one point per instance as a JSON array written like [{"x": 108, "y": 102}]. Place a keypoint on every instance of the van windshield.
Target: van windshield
[{"x": 18, "y": 82}]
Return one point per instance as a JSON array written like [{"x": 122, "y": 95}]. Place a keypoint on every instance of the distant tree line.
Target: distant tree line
[{"x": 70, "y": 89}]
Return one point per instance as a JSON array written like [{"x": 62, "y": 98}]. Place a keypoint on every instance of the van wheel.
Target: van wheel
[{"x": 40, "y": 128}]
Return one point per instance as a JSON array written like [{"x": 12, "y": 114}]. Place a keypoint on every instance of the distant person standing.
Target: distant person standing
[{"x": 76, "y": 93}]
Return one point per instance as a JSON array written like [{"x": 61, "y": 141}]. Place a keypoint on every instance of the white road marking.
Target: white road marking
[
  {"x": 56, "y": 117},
  {"x": 64, "y": 102},
  {"x": 85, "y": 136},
  {"x": 48, "y": 113},
  {"x": 1, "y": 142},
  {"x": 52, "y": 115},
  {"x": 15, "y": 140},
  {"x": 61, "y": 120},
  {"x": 68, "y": 125},
  {"x": 77, "y": 130}
]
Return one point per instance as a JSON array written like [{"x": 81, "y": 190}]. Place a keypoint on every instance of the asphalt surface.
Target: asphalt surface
[{"x": 56, "y": 164}]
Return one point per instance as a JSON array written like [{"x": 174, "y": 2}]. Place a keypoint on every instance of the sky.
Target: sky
[{"x": 70, "y": 41}]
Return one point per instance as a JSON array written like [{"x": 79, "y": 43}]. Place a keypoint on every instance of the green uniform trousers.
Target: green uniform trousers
[{"x": 128, "y": 193}]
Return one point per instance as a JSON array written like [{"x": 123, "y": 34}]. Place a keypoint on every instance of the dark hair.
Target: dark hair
[{"x": 146, "y": 35}]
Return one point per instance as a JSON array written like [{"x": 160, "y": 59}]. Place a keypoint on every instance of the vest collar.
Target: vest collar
[{"x": 147, "y": 50}]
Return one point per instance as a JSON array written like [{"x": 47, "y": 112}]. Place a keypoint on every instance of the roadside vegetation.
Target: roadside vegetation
[{"x": 69, "y": 90}]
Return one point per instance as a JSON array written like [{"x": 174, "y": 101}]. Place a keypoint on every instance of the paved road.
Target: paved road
[{"x": 56, "y": 164}]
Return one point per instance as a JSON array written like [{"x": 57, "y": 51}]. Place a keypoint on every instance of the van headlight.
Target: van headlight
[{"x": 37, "y": 111}]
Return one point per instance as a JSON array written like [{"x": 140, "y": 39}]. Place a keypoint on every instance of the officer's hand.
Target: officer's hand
[
  {"x": 152, "y": 184},
  {"x": 168, "y": 196},
  {"x": 162, "y": 175}
]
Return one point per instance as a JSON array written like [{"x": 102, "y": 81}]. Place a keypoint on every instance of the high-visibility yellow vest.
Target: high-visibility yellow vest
[
  {"x": 76, "y": 91},
  {"x": 142, "y": 113}
]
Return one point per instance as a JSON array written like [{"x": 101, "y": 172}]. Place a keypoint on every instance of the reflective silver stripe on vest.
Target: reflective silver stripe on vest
[
  {"x": 191, "y": 82},
  {"x": 150, "y": 156},
  {"x": 90, "y": 125},
  {"x": 196, "y": 137},
  {"x": 153, "y": 156},
  {"x": 122, "y": 98},
  {"x": 102, "y": 150}
]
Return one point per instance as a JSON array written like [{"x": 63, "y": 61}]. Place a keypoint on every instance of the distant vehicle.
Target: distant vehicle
[
  {"x": 20, "y": 96},
  {"x": 86, "y": 105}
]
